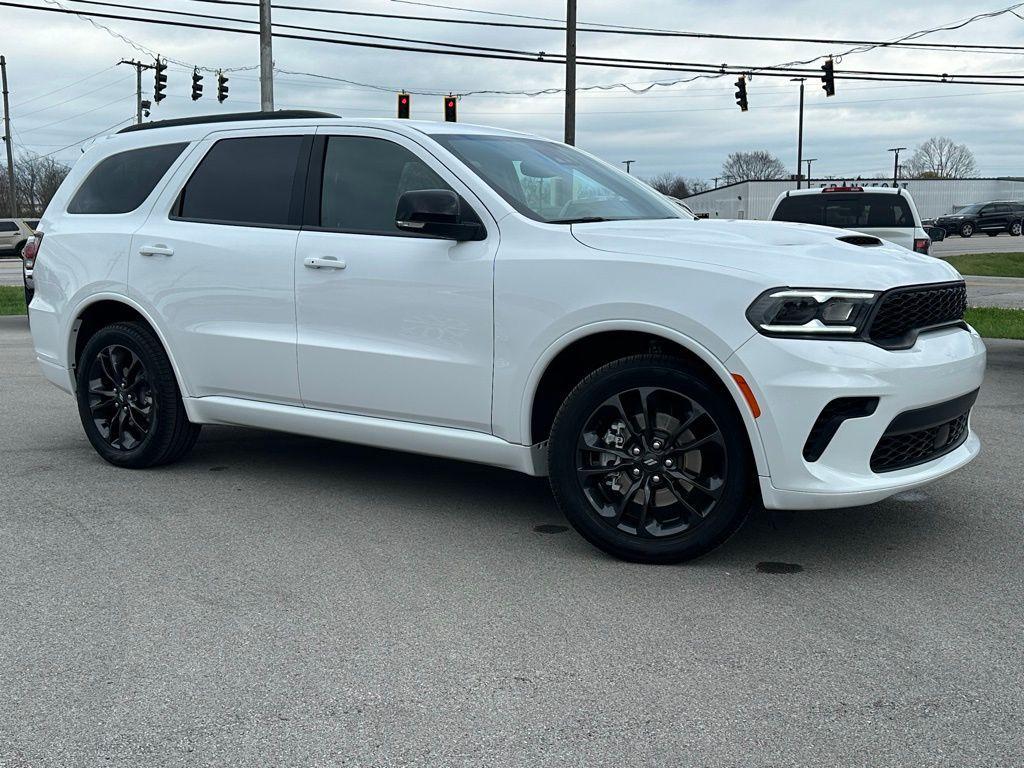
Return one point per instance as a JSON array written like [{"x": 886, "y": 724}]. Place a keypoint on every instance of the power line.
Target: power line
[
  {"x": 63, "y": 87},
  {"x": 559, "y": 26},
  {"x": 93, "y": 136},
  {"x": 80, "y": 114},
  {"x": 702, "y": 70},
  {"x": 74, "y": 98}
]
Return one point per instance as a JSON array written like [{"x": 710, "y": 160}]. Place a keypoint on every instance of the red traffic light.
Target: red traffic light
[
  {"x": 450, "y": 109},
  {"x": 404, "y": 105}
]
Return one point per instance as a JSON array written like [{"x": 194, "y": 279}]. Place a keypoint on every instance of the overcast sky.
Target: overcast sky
[{"x": 687, "y": 129}]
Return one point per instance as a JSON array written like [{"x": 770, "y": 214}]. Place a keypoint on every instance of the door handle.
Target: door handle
[
  {"x": 328, "y": 262},
  {"x": 156, "y": 250}
]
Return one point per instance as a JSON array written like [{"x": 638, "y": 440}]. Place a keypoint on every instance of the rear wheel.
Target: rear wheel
[
  {"x": 1015, "y": 228},
  {"x": 649, "y": 462},
  {"x": 128, "y": 399},
  {"x": 966, "y": 229}
]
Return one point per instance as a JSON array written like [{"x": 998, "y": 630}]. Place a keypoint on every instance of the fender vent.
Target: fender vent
[{"x": 865, "y": 241}]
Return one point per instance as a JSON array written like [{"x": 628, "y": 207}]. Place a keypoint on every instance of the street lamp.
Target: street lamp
[
  {"x": 809, "y": 160},
  {"x": 627, "y": 163},
  {"x": 800, "y": 133},
  {"x": 896, "y": 164}
]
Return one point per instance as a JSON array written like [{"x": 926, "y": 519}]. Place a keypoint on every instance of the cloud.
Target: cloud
[{"x": 686, "y": 129}]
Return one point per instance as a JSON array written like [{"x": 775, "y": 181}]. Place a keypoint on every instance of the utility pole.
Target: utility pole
[
  {"x": 715, "y": 179},
  {"x": 628, "y": 164},
  {"x": 896, "y": 163},
  {"x": 809, "y": 160},
  {"x": 139, "y": 66},
  {"x": 570, "y": 74},
  {"x": 800, "y": 136},
  {"x": 9, "y": 141},
  {"x": 266, "y": 59}
]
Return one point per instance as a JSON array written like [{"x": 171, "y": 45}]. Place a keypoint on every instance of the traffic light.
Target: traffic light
[
  {"x": 404, "y": 105},
  {"x": 146, "y": 105},
  {"x": 159, "y": 80},
  {"x": 197, "y": 84},
  {"x": 451, "y": 109},
  {"x": 828, "y": 80},
  {"x": 741, "y": 93},
  {"x": 222, "y": 87}
]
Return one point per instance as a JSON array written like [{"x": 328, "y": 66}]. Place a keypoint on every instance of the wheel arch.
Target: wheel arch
[
  {"x": 102, "y": 309},
  {"x": 576, "y": 354}
]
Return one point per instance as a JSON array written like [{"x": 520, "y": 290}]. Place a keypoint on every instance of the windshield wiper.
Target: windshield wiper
[{"x": 580, "y": 220}]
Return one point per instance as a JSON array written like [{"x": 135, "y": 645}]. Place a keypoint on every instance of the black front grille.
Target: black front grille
[
  {"x": 903, "y": 312},
  {"x": 922, "y": 435}
]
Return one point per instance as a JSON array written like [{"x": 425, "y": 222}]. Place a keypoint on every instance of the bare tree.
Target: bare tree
[
  {"x": 698, "y": 185},
  {"x": 36, "y": 179},
  {"x": 758, "y": 164},
  {"x": 941, "y": 158},
  {"x": 671, "y": 184}
]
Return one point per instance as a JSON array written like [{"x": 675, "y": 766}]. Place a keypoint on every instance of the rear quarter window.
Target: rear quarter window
[
  {"x": 121, "y": 182},
  {"x": 846, "y": 211}
]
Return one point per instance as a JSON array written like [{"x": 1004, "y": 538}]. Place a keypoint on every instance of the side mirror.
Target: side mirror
[
  {"x": 435, "y": 212},
  {"x": 937, "y": 234}
]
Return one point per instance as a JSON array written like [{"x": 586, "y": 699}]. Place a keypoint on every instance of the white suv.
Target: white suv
[
  {"x": 499, "y": 298},
  {"x": 887, "y": 213}
]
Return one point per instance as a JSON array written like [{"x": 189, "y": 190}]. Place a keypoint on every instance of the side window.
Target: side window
[
  {"x": 1001, "y": 208},
  {"x": 363, "y": 179},
  {"x": 245, "y": 181},
  {"x": 8, "y": 226},
  {"x": 122, "y": 182}
]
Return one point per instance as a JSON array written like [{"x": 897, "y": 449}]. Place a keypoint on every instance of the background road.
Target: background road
[
  {"x": 278, "y": 600},
  {"x": 954, "y": 245}
]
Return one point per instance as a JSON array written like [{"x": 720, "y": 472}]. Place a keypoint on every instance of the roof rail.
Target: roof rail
[{"x": 231, "y": 117}]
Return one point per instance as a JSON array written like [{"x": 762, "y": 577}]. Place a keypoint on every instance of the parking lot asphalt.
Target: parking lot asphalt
[
  {"x": 278, "y": 600},
  {"x": 954, "y": 245},
  {"x": 10, "y": 272}
]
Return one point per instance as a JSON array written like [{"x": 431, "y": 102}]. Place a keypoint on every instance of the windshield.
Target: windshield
[
  {"x": 555, "y": 183},
  {"x": 970, "y": 208}
]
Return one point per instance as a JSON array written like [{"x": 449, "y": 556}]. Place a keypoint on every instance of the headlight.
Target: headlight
[{"x": 811, "y": 312}]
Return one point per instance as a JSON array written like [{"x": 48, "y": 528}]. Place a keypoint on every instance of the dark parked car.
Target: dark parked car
[{"x": 990, "y": 218}]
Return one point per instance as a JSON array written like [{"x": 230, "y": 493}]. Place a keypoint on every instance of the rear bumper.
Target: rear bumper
[{"x": 795, "y": 379}]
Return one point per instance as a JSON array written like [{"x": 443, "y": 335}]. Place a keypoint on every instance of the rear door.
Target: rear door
[{"x": 214, "y": 263}]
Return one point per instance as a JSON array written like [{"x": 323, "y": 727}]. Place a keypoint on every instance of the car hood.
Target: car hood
[{"x": 784, "y": 254}]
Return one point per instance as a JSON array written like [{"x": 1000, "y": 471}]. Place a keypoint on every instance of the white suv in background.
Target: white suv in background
[
  {"x": 887, "y": 213},
  {"x": 498, "y": 298},
  {"x": 14, "y": 233}
]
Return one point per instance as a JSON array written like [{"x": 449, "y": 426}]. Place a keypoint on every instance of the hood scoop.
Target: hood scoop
[{"x": 864, "y": 241}]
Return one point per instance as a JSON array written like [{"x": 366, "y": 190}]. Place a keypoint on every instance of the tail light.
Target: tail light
[
  {"x": 31, "y": 250},
  {"x": 921, "y": 244}
]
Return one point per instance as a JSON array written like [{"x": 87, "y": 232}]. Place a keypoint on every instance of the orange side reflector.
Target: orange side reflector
[{"x": 747, "y": 394}]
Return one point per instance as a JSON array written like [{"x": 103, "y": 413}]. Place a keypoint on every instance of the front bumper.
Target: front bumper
[{"x": 795, "y": 379}]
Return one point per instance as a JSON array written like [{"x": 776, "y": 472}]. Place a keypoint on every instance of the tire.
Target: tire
[
  {"x": 1015, "y": 229},
  {"x": 966, "y": 229},
  {"x": 609, "y": 504},
  {"x": 19, "y": 248},
  {"x": 129, "y": 401}
]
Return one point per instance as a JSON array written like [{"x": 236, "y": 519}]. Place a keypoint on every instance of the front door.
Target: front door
[{"x": 390, "y": 324}]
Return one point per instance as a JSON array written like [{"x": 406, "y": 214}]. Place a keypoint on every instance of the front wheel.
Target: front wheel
[
  {"x": 649, "y": 462},
  {"x": 128, "y": 399},
  {"x": 966, "y": 229}
]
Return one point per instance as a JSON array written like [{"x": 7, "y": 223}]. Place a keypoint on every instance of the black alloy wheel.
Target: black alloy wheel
[
  {"x": 121, "y": 398},
  {"x": 651, "y": 462},
  {"x": 657, "y": 469},
  {"x": 128, "y": 398}
]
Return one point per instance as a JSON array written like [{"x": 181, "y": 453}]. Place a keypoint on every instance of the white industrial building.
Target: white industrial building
[{"x": 933, "y": 197}]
